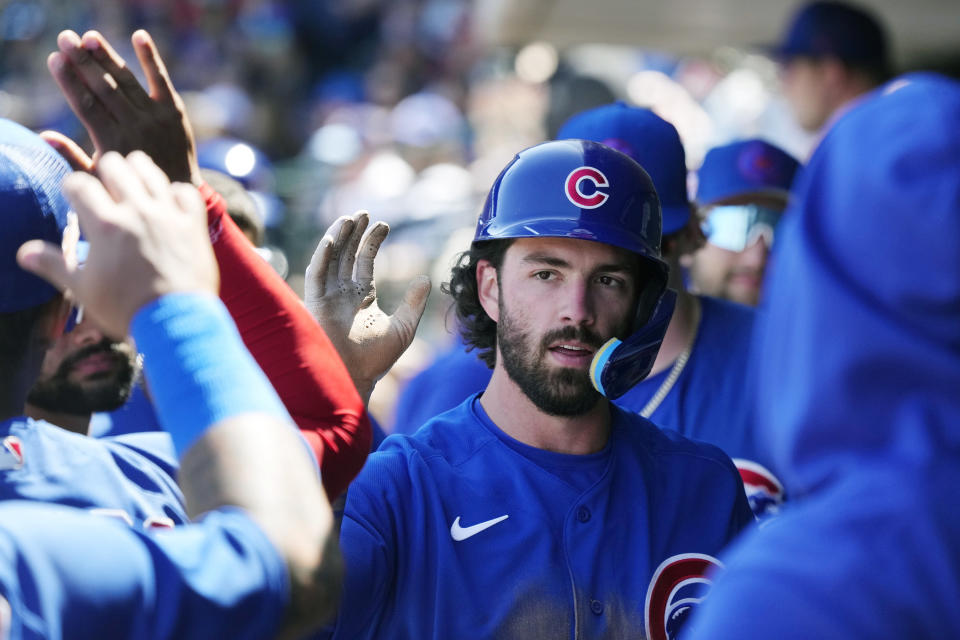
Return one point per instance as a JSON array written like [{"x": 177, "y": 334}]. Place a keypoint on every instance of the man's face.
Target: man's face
[
  {"x": 805, "y": 86},
  {"x": 732, "y": 262},
  {"x": 732, "y": 275},
  {"x": 84, "y": 372},
  {"x": 559, "y": 300}
]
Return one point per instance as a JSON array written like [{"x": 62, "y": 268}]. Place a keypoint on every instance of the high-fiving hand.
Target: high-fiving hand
[
  {"x": 147, "y": 238},
  {"x": 341, "y": 295},
  {"x": 117, "y": 112}
]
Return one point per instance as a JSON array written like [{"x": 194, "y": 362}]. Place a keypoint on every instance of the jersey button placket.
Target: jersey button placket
[
  {"x": 583, "y": 514},
  {"x": 596, "y": 607}
]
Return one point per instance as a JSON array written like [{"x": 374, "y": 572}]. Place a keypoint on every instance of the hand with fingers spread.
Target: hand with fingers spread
[
  {"x": 340, "y": 294},
  {"x": 147, "y": 238},
  {"x": 117, "y": 112}
]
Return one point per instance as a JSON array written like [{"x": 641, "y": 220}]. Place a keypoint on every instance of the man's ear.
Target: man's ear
[{"x": 488, "y": 289}]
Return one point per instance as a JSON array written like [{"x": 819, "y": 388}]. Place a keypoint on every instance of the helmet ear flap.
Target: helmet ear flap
[{"x": 620, "y": 364}]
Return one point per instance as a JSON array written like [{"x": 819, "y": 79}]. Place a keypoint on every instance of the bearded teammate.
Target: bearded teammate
[
  {"x": 742, "y": 190},
  {"x": 293, "y": 351},
  {"x": 252, "y": 562},
  {"x": 537, "y": 509},
  {"x": 40, "y": 461}
]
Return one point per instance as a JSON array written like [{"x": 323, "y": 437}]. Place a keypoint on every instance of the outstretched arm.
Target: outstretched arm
[
  {"x": 292, "y": 350},
  {"x": 211, "y": 396}
]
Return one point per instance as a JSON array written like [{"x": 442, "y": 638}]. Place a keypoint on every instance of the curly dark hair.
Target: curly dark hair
[{"x": 479, "y": 331}]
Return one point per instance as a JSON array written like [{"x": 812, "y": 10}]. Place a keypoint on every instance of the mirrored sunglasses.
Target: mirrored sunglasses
[
  {"x": 76, "y": 313},
  {"x": 736, "y": 227},
  {"x": 75, "y": 318}
]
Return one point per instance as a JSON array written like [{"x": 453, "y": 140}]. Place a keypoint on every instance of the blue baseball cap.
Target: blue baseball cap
[
  {"x": 834, "y": 30},
  {"x": 649, "y": 140},
  {"x": 32, "y": 207},
  {"x": 753, "y": 167}
]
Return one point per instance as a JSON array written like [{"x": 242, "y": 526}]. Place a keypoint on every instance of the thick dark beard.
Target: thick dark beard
[
  {"x": 58, "y": 394},
  {"x": 562, "y": 392}
]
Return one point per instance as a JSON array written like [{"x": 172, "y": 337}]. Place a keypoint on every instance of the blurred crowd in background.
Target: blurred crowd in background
[{"x": 323, "y": 108}]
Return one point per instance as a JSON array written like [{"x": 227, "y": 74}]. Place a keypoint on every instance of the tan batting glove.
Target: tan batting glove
[{"x": 340, "y": 294}]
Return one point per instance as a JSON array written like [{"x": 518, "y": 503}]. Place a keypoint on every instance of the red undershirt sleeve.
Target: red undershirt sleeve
[{"x": 293, "y": 351}]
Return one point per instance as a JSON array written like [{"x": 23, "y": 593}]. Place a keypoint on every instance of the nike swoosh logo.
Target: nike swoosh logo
[{"x": 459, "y": 533}]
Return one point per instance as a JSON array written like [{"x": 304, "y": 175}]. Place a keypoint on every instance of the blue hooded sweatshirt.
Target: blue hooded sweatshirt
[{"x": 859, "y": 361}]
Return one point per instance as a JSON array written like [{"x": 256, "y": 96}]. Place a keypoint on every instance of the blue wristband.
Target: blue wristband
[{"x": 197, "y": 366}]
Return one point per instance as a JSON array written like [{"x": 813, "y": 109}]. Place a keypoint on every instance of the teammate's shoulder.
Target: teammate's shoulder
[
  {"x": 725, "y": 335},
  {"x": 667, "y": 443},
  {"x": 727, "y": 312}
]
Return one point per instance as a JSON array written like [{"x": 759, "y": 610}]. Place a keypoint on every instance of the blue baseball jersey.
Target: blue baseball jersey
[
  {"x": 713, "y": 399},
  {"x": 131, "y": 477},
  {"x": 453, "y": 376},
  {"x": 460, "y": 531},
  {"x": 135, "y": 416},
  {"x": 68, "y": 574}
]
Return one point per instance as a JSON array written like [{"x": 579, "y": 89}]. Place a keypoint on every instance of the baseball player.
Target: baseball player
[
  {"x": 859, "y": 358},
  {"x": 536, "y": 509},
  {"x": 832, "y": 55},
  {"x": 293, "y": 351},
  {"x": 700, "y": 384},
  {"x": 247, "y": 568},
  {"x": 40, "y": 461},
  {"x": 742, "y": 189}
]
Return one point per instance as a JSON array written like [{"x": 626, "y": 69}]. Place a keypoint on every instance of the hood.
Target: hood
[{"x": 859, "y": 349}]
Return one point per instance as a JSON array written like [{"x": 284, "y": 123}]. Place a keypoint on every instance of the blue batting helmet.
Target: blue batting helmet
[{"x": 585, "y": 190}]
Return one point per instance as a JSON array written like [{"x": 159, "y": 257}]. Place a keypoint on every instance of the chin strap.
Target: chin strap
[{"x": 619, "y": 365}]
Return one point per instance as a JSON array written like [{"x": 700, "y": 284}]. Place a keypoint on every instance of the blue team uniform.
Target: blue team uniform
[
  {"x": 454, "y": 374},
  {"x": 136, "y": 415},
  {"x": 130, "y": 476},
  {"x": 859, "y": 362},
  {"x": 67, "y": 574},
  {"x": 713, "y": 398},
  {"x": 460, "y": 531}
]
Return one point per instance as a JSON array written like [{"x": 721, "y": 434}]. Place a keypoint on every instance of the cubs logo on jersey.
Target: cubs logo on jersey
[
  {"x": 678, "y": 585},
  {"x": 764, "y": 491},
  {"x": 11, "y": 453},
  {"x": 576, "y": 193}
]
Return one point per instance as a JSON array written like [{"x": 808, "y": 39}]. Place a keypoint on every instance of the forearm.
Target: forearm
[
  {"x": 220, "y": 410},
  {"x": 293, "y": 351}
]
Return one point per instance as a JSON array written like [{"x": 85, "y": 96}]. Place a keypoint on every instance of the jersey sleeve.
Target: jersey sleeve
[
  {"x": 293, "y": 351},
  {"x": 94, "y": 577}
]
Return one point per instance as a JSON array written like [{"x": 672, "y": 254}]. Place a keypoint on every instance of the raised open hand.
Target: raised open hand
[
  {"x": 147, "y": 238},
  {"x": 118, "y": 113},
  {"x": 340, "y": 294}
]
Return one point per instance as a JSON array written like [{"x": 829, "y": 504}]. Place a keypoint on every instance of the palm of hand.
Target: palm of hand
[{"x": 341, "y": 295}]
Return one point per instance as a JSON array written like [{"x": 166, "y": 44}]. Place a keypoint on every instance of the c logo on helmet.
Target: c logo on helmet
[
  {"x": 764, "y": 491},
  {"x": 576, "y": 195},
  {"x": 677, "y": 587}
]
